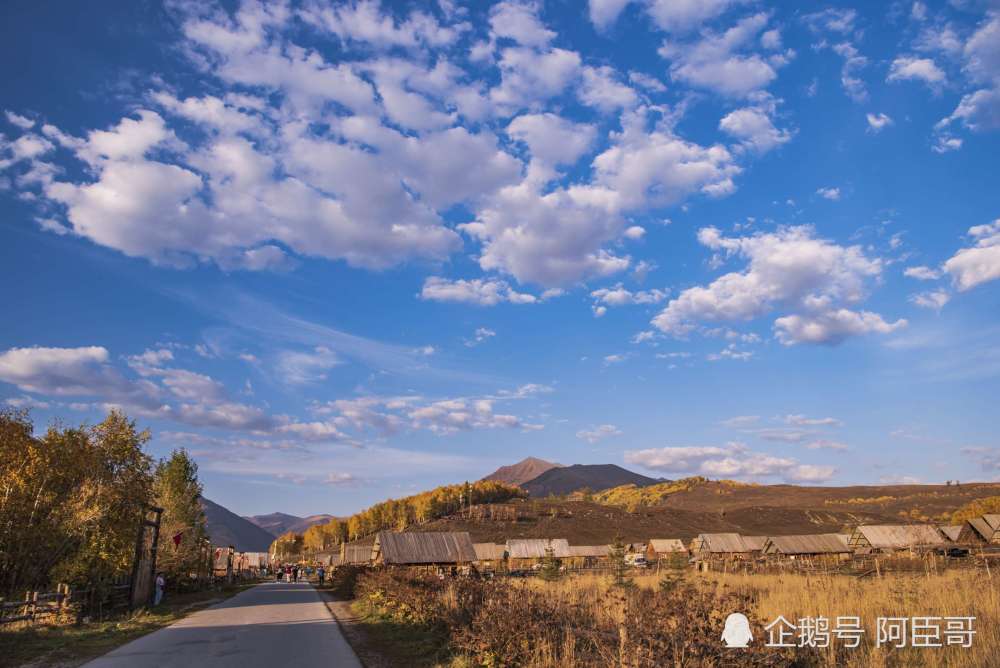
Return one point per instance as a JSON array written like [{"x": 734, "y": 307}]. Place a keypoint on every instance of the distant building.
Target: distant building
[
  {"x": 951, "y": 532},
  {"x": 423, "y": 549},
  {"x": 355, "y": 555},
  {"x": 830, "y": 546},
  {"x": 983, "y": 530},
  {"x": 490, "y": 556},
  {"x": 589, "y": 556},
  {"x": 665, "y": 548},
  {"x": 720, "y": 546},
  {"x": 526, "y": 552},
  {"x": 890, "y": 538}
]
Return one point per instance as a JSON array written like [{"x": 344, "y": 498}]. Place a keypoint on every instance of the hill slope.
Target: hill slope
[
  {"x": 523, "y": 471},
  {"x": 228, "y": 528},
  {"x": 279, "y": 523},
  {"x": 568, "y": 479}
]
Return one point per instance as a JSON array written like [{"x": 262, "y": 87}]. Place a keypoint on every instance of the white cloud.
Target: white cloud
[
  {"x": 832, "y": 327},
  {"x": 978, "y": 264},
  {"x": 932, "y": 299},
  {"x": 519, "y": 21},
  {"x": 598, "y": 433},
  {"x": 481, "y": 335},
  {"x": 978, "y": 111},
  {"x": 552, "y": 139},
  {"x": 877, "y": 122},
  {"x": 734, "y": 460},
  {"x": 853, "y": 85},
  {"x": 364, "y": 21},
  {"x": 730, "y": 352},
  {"x": 788, "y": 269},
  {"x": 302, "y": 367},
  {"x": 646, "y": 82},
  {"x": 922, "y": 273},
  {"x": 832, "y": 20},
  {"x": 618, "y": 295},
  {"x": 616, "y": 358},
  {"x": 754, "y": 128},
  {"x": 920, "y": 69},
  {"x": 601, "y": 89},
  {"x": 20, "y": 121},
  {"x": 716, "y": 62},
  {"x": 804, "y": 421},
  {"x": 829, "y": 193},
  {"x": 603, "y": 13},
  {"x": 482, "y": 292}
]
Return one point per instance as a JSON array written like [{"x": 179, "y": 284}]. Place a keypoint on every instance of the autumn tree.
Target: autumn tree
[{"x": 183, "y": 529}]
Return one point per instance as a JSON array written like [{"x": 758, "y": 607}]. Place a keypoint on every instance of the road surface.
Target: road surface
[{"x": 271, "y": 625}]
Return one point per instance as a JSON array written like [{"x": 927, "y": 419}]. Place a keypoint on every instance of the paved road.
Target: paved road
[{"x": 271, "y": 625}]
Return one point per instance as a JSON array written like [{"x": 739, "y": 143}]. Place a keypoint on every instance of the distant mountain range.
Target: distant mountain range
[
  {"x": 568, "y": 479},
  {"x": 228, "y": 528},
  {"x": 279, "y": 523},
  {"x": 522, "y": 472}
]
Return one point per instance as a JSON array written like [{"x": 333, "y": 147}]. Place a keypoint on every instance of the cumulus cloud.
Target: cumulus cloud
[
  {"x": 787, "y": 269},
  {"x": 298, "y": 367},
  {"x": 481, "y": 335},
  {"x": 593, "y": 435},
  {"x": 618, "y": 295},
  {"x": 922, "y": 273},
  {"x": 919, "y": 69},
  {"x": 723, "y": 62},
  {"x": 980, "y": 263},
  {"x": 481, "y": 292},
  {"x": 754, "y": 128},
  {"x": 733, "y": 460},
  {"x": 829, "y": 193}
]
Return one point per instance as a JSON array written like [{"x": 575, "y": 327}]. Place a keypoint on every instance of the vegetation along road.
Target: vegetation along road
[{"x": 273, "y": 624}]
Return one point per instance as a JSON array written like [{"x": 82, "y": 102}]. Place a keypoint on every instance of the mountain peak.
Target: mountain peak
[{"x": 524, "y": 471}]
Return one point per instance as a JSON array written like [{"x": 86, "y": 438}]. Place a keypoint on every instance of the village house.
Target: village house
[
  {"x": 723, "y": 546},
  {"x": 490, "y": 557},
  {"x": 983, "y": 530},
  {"x": 523, "y": 553},
  {"x": 822, "y": 547},
  {"x": 588, "y": 556},
  {"x": 951, "y": 532},
  {"x": 354, "y": 554},
  {"x": 423, "y": 549},
  {"x": 668, "y": 549},
  {"x": 892, "y": 538}
]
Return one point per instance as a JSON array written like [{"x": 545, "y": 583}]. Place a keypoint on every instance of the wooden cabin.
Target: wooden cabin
[
  {"x": 355, "y": 554},
  {"x": 523, "y": 553},
  {"x": 724, "y": 546},
  {"x": 669, "y": 549},
  {"x": 755, "y": 544},
  {"x": 423, "y": 549},
  {"x": 588, "y": 556},
  {"x": 893, "y": 538},
  {"x": 490, "y": 556},
  {"x": 823, "y": 546},
  {"x": 983, "y": 530}
]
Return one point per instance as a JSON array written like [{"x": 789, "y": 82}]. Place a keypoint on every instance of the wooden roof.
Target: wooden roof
[
  {"x": 983, "y": 528},
  {"x": 721, "y": 543},
  {"x": 755, "y": 543},
  {"x": 667, "y": 545},
  {"x": 823, "y": 543},
  {"x": 993, "y": 519},
  {"x": 535, "y": 548},
  {"x": 898, "y": 536},
  {"x": 489, "y": 551},
  {"x": 951, "y": 531},
  {"x": 589, "y": 550},
  {"x": 424, "y": 548}
]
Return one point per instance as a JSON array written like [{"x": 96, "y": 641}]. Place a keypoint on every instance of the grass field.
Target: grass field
[{"x": 673, "y": 621}]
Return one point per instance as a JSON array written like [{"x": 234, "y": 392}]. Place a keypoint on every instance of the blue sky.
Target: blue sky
[{"x": 345, "y": 251}]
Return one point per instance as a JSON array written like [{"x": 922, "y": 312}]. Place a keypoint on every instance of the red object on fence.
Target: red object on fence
[{"x": 177, "y": 538}]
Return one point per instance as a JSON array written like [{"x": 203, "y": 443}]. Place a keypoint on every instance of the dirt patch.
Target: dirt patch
[{"x": 353, "y": 628}]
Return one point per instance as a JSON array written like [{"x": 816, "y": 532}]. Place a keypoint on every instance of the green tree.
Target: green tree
[
  {"x": 178, "y": 491},
  {"x": 619, "y": 567}
]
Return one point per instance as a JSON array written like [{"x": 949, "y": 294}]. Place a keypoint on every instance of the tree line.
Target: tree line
[
  {"x": 72, "y": 501},
  {"x": 394, "y": 515}
]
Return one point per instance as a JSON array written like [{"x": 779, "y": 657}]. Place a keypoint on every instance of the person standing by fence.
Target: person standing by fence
[{"x": 160, "y": 584}]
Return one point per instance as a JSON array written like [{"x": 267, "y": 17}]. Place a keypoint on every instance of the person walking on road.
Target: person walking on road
[
  {"x": 295, "y": 573},
  {"x": 321, "y": 575}
]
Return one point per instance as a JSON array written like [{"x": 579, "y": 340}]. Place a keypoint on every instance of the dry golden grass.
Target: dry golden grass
[{"x": 958, "y": 593}]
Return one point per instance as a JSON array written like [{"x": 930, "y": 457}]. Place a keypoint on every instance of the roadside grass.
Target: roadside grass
[
  {"x": 400, "y": 643},
  {"x": 67, "y": 645}
]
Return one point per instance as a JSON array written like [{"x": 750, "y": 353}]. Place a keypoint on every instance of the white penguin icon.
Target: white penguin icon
[{"x": 737, "y": 631}]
